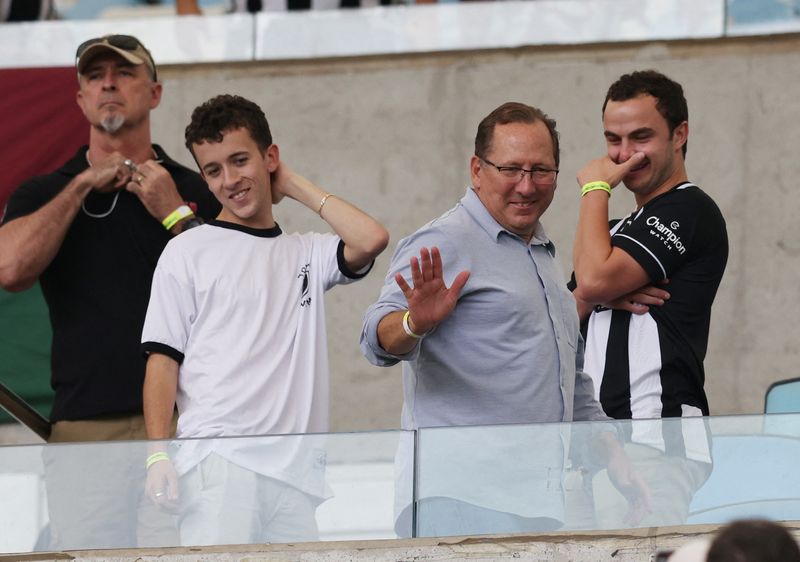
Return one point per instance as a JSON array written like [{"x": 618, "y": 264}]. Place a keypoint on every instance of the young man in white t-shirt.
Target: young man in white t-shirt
[{"x": 235, "y": 333}]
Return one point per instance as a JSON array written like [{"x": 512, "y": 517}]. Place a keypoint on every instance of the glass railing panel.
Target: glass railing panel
[
  {"x": 290, "y": 488},
  {"x": 602, "y": 476},
  {"x": 756, "y": 17}
]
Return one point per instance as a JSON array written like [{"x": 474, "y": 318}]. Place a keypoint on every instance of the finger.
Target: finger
[
  {"x": 133, "y": 187},
  {"x": 122, "y": 175},
  {"x": 636, "y": 308},
  {"x": 635, "y": 159},
  {"x": 401, "y": 282},
  {"x": 655, "y": 292},
  {"x": 645, "y": 299},
  {"x": 416, "y": 274},
  {"x": 436, "y": 263},
  {"x": 425, "y": 264},
  {"x": 459, "y": 282}
]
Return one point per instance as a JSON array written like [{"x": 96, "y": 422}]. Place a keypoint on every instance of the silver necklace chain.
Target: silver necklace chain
[{"x": 110, "y": 209}]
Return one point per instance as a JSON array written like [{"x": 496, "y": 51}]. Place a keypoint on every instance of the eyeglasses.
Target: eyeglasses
[
  {"x": 124, "y": 42},
  {"x": 541, "y": 176}
]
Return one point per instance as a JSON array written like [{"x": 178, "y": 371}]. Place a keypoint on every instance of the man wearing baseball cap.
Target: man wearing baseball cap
[{"x": 91, "y": 232}]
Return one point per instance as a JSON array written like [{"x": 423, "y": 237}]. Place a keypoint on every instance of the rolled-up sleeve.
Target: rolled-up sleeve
[{"x": 391, "y": 298}]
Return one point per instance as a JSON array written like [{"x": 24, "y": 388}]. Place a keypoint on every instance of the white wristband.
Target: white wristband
[{"x": 407, "y": 329}]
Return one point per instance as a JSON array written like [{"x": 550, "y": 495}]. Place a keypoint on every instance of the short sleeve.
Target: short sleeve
[
  {"x": 28, "y": 198},
  {"x": 661, "y": 236},
  {"x": 172, "y": 308}
]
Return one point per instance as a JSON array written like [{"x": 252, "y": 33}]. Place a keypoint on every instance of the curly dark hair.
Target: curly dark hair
[
  {"x": 226, "y": 113},
  {"x": 670, "y": 101}
]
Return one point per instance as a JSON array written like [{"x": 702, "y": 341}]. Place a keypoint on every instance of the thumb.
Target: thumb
[
  {"x": 459, "y": 282},
  {"x": 634, "y": 160}
]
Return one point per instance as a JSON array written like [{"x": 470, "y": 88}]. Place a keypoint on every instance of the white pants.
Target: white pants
[{"x": 223, "y": 503}]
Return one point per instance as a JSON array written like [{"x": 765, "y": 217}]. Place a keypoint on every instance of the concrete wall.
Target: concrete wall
[
  {"x": 394, "y": 135},
  {"x": 636, "y": 545}
]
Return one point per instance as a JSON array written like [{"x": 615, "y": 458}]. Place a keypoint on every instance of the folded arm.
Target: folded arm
[{"x": 603, "y": 272}]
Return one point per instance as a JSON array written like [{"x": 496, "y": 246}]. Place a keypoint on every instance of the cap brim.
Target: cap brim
[{"x": 93, "y": 50}]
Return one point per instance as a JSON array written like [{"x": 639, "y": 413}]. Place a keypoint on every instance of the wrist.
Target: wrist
[
  {"x": 182, "y": 212},
  {"x": 410, "y": 329},
  {"x": 591, "y": 186},
  {"x": 323, "y": 200},
  {"x": 154, "y": 458},
  {"x": 189, "y": 223}
]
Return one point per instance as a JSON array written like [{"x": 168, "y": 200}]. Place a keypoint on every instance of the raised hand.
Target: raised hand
[
  {"x": 605, "y": 169},
  {"x": 111, "y": 173},
  {"x": 155, "y": 188},
  {"x": 429, "y": 300}
]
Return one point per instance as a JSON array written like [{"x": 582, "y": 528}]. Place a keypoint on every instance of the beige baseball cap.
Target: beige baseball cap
[{"x": 126, "y": 46}]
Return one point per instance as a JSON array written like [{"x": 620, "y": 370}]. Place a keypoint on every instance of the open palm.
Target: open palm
[{"x": 429, "y": 300}]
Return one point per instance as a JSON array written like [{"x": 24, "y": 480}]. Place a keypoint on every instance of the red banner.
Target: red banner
[{"x": 41, "y": 125}]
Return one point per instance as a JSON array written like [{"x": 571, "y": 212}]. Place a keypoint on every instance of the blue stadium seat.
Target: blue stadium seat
[
  {"x": 754, "y": 476},
  {"x": 783, "y": 397}
]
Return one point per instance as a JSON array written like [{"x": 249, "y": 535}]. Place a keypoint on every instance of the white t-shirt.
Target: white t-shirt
[{"x": 242, "y": 311}]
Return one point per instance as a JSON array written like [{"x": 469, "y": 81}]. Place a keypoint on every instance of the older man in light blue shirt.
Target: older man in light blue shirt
[
  {"x": 502, "y": 343},
  {"x": 488, "y": 334}
]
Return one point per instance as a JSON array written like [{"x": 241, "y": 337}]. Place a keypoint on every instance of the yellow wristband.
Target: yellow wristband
[
  {"x": 154, "y": 458},
  {"x": 407, "y": 328},
  {"x": 176, "y": 216},
  {"x": 322, "y": 203},
  {"x": 596, "y": 186}
]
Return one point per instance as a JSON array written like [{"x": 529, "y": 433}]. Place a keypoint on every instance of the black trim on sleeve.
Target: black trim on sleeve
[
  {"x": 149, "y": 347},
  {"x": 346, "y": 271}
]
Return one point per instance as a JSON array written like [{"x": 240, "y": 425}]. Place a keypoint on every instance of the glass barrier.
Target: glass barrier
[
  {"x": 244, "y": 490},
  {"x": 466, "y": 481},
  {"x": 602, "y": 476}
]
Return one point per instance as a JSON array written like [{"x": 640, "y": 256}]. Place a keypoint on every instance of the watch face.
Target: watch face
[{"x": 191, "y": 223}]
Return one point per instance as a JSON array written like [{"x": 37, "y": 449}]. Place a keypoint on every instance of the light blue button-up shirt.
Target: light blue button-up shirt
[{"x": 511, "y": 351}]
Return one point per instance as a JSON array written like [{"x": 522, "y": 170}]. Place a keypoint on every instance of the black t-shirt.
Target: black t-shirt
[
  {"x": 681, "y": 236},
  {"x": 98, "y": 286}
]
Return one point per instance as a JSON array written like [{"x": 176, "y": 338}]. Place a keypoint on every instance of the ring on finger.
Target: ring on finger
[
  {"x": 159, "y": 494},
  {"x": 138, "y": 179}
]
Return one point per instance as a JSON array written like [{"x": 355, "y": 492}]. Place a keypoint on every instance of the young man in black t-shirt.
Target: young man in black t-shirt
[{"x": 645, "y": 288}]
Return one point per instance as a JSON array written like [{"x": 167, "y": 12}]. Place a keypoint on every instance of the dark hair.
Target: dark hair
[
  {"x": 226, "y": 113},
  {"x": 754, "y": 541},
  {"x": 670, "y": 101},
  {"x": 513, "y": 112}
]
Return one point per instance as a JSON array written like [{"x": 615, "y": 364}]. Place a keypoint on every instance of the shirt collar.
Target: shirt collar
[
  {"x": 78, "y": 163},
  {"x": 494, "y": 229}
]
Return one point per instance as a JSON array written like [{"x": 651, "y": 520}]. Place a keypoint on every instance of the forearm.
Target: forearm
[
  {"x": 584, "y": 309},
  {"x": 592, "y": 248},
  {"x": 187, "y": 7},
  {"x": 391, "y": 335},
  {"x": 160, "y": 388},
  {"x": 28, "y": 244},
  {"x": 364, "y": 237}
]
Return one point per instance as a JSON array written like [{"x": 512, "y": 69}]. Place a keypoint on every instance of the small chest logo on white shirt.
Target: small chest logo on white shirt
[{"x": 305, "y": 300}]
